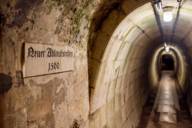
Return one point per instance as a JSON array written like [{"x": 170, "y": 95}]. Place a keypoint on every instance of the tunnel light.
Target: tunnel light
[
  {"x": 167, "y": 48},
  {"x": 167, "y": 16}
]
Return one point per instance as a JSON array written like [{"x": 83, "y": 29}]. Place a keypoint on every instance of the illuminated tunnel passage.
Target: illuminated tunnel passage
[
  {"x": 130, "y": 64},
  {"x": 131, "y": 68},
  {"x": 167, "y": 108},
  {"x": 166, "y": 103}
]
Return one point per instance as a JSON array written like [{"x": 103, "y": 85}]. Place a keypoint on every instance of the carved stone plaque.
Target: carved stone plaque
[{"x": 43, "y": 59}]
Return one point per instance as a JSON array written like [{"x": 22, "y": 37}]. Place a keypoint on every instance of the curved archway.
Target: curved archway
[
  {"x": 118, "y": 73},
  {"x": 181, "y": 66}
]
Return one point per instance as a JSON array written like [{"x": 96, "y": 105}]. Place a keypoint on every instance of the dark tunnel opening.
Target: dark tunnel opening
[
  {"x": 167, "y": 62},
  {"x": 169, "y": 65}
]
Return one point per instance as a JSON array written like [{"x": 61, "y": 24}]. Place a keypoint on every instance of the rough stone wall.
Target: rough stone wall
[{"x": 50, "y": 101}]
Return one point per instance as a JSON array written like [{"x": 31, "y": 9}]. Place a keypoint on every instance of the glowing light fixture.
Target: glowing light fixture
[
  {"x": 167, "y": 16},
  {"x": 167, "y": 48}
]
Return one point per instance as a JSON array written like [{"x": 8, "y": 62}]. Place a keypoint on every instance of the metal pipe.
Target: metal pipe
[
  {"x": 176, "y": 20},
  {"x": 157, "y": 17}
]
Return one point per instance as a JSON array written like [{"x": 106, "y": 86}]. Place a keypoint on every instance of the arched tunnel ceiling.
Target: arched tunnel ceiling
[
  {"x": 133, "y": 38},
  {"x": 144, "y": 18}
]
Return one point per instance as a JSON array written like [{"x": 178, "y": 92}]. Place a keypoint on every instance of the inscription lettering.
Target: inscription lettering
[
  {"x": 54, "y": 53},
  {"x": 49, "y": 53},
  {"x": 46, "y": 59},
  {"x": 35, "y": 53}
]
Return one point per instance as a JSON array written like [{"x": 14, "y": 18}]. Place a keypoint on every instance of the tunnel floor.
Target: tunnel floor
[{"x": 148, "y": 120}]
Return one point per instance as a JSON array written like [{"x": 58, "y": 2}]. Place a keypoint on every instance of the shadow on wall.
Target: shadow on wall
[{"x": 5, "y": 85}]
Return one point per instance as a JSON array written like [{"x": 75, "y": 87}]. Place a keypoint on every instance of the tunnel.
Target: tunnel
[
  {"x": 129, "y": 68},
  {"x": 167, "y": 62},
  {"x": 95, "y": 64}
]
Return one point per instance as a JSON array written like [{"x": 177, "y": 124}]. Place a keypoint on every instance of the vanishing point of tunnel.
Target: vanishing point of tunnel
[{"x": 95, "y": 63}]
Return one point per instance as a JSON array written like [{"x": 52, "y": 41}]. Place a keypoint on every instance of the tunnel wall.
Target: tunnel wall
[
  {"x": 50, "y": 101},
  {"x": 123, "y": 93},
  {"x": 120, "y": 87},
  {"x": 70, "y": 99}
]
